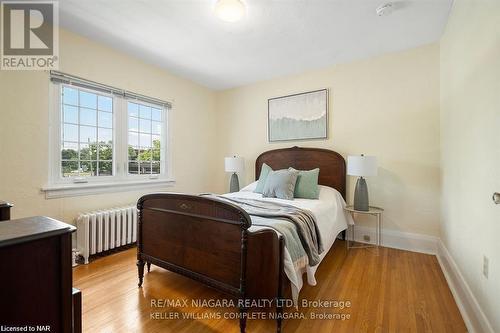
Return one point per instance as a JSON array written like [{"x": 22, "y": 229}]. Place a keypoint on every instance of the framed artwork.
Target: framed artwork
[{"x": 301, "y": 116}]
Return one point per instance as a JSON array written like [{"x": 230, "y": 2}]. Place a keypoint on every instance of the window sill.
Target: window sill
[{"x": 73, "y": 190}]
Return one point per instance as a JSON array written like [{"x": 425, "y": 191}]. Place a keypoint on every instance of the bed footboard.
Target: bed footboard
[{"x": 208, "y": 240}]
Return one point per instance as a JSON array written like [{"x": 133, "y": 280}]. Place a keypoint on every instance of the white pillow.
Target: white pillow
[{"x": 250, "y": 187}]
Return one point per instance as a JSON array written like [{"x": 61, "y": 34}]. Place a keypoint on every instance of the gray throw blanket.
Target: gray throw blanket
[{"x": 298, "y": 226}]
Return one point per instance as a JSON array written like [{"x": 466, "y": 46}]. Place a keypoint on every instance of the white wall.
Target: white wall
[
  {"x": 24, "y": 115},
  {"x": 470, "y": 145},
  {"x": 386, "y": 106}
]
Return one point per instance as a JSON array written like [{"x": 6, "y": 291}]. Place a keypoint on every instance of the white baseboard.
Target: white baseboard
[
  {"x": 399, "y": 240},
  {"x": 474, "y": 317}
]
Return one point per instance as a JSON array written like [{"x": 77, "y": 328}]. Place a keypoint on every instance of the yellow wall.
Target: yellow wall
[
  {"x": 386, "y": 106},
  {"x": 470, "y": 144},
  {"x": 24, "y": 115}
]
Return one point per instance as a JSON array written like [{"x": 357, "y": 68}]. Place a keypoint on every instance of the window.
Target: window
[
  {"x": 145, "y": 125},
  {"x": 103, "y": 135},
  {"x": 87, "y": 133}
]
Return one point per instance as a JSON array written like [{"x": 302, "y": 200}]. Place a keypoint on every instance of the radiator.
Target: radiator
[{"x": 105, "y": 230}]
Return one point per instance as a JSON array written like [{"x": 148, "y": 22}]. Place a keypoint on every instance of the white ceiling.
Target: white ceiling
[{"x": 277, "y": 37}]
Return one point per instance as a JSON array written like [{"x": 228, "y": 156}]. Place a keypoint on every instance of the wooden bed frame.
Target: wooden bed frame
[{"x": 208, "y": 240}]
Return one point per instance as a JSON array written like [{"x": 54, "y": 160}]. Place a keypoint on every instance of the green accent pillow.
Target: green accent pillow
[
  {"x": 306, "y": 186},
  {"x": 264, "y": 172}
]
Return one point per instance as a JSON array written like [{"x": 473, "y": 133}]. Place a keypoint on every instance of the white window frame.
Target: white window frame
[
  {"x": 59, "y": 186},
  {"x": 164, "y": 145}
]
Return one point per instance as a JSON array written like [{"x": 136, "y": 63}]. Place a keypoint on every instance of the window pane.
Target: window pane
[
  {"x": 156, "y": 114},
  {"x": 133, "y": 139},
  {"x": 105, "y": 168},
  {"x": 156, "y": 126},
  {"x": 88, "y": 152},
  {"x": 133, "y": 153},
  {"x": 145, "y": 111},
  {"x": 70, "y": 132},
  {"x": 144, "y": 147},
  {"x": 105, "y": 103},
  {"x": 140, "y": 154},
  {"x": 105, "y": 153},
  {"x": 155, "y": 155},
  {"x": 88, "y": 134},
  {"x": 69, "y": 168},
  {"x": 88, "y": 100},
  {"x": 133, "y": 124},
  {"x": 145, "y": 126},
  {"x": 145, "y": 167},
  {"x": 105, "y": 135},
  {"x": 145, "y": 140},
  {"x": 156, "y": 141},
  {"x": 133, "y": 167},
  {"x": 88, "y": 168},
  {"x": 145, "y": 155},
  {"x": 88, "y": 117},
  {"x": 155, "y": 168},
  {"x": 70, "y": 114},
  {"x": 69, "y": 151},
  {"x": 105, "y": 119},
  {"x": 70, "y": 96},
  {"x": 133, "y": 109}
]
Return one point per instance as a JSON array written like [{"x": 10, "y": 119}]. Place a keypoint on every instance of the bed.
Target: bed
[{"x": 213, "y": 241}]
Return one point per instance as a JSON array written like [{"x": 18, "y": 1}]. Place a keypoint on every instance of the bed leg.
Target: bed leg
[
  {"x": 243, "y": 319},
  {"x": 140, "y": 270},
  {"x": 149, "y": 266},
  {"x": 281, "y": 277},
  {"x": 279, "y": 314}
]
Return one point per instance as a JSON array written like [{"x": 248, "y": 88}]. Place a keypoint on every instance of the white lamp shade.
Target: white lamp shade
[
  {"x": 362, "y": 165},
  {"x": 234, "y": 164}
]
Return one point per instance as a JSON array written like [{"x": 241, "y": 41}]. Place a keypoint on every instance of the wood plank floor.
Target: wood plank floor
[{"x": 394, "y": 291}]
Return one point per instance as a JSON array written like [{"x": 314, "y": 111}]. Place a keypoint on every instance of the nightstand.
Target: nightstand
[{"x": 373, "y": 211}]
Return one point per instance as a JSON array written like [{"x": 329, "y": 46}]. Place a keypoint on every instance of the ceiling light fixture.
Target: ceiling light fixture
[
  {"x": 229, "y": 10},
  {"x": 385, "y": 9}
]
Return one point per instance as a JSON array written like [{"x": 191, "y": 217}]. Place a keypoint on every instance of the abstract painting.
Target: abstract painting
[{"x": 298, "y": 117}]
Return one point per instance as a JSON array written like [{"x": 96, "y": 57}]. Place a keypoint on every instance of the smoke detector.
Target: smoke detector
[{"x": 385, "y": 9}]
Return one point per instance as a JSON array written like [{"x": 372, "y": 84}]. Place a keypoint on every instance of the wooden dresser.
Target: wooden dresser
[{"x": 36, "y": 275}]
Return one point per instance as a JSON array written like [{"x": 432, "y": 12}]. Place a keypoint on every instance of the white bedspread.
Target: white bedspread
[{"x": 330, "y": 217}]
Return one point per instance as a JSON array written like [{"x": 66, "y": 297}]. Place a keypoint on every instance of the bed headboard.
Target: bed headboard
[{"x": 332, "y": 171}]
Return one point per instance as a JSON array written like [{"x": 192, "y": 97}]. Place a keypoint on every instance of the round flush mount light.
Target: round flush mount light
[
  {"x": 385, "y": 9},
  {"x": 229, "y": 10}
]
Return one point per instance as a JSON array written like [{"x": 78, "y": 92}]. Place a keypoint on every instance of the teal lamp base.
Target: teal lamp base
[
  {"x": 234, "y": 185},
  {"x": 361, "y": 195}
]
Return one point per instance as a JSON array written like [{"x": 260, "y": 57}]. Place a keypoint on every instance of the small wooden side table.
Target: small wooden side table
[
  {"x": 373, "y": 211},
  {"x": 5, "y": 211}
]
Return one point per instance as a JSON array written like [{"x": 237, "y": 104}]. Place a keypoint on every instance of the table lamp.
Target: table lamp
[
  {"x": 234, "y": 164},
  {"x": 361, "y": 166}
]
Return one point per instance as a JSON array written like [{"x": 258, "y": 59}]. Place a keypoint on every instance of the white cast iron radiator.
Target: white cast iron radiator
[{"x": 104, "y": 230}]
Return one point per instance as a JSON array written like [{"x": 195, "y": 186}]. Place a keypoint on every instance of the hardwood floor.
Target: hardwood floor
[{"x": 395, "y": 291}]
